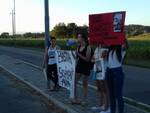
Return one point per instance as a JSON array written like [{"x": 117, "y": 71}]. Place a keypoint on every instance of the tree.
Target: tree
[
  {"x": 27, "y": 35},
  {"x": 60, "y": 31},
  {"x": 37, "y": 35},
  {"x": 18, "y": 36},
  {"x": 83, "y": 30},
  {"x": 133, "y": 30},
  {"x": 147, "y": 29},
  {"x": 5, "y": 35},
  {"x": 72, "y": 28},
  {"x": 69, "y": 31}
]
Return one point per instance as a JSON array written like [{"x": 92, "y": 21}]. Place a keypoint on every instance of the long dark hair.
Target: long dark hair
[
  {"x": 117, "y": 49},
  {"x": 85, "y": 37}
]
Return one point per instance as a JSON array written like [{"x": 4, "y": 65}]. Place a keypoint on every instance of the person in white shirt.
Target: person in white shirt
[
  {"x": 50, "y": 63},
  {"x": 115, "y": 78}
]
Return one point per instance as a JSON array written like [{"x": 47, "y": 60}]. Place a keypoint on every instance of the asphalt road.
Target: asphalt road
[
  {"x": 137, "y": 79},
  {"x": 18, "y": 98}
]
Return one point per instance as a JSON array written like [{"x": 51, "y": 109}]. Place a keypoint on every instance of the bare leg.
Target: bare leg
[
  {"x": 98, "y": 84},
  {"x": 106, "y": 96},
  {"x": 85, "y": 86},
  {"x": 77, "y": 78}
]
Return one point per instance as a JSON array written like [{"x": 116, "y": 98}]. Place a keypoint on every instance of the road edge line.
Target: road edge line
[{"x": 50, "y": 98}]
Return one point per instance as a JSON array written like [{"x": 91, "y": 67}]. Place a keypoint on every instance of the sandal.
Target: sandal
[{"x": 75, "y": 102}]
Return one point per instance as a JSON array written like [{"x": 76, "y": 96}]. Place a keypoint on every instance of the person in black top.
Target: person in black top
[{"x": 83, "y": 66}]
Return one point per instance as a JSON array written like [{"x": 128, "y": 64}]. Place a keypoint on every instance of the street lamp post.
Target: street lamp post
[{"x": 47, "y": 36}]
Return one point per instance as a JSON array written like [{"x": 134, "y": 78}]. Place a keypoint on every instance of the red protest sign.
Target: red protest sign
[{"x": 107, "y": 28}]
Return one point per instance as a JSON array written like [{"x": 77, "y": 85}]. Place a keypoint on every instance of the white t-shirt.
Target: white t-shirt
[
  {"x": 52, "y": 55},
  {"x": 113, "y": 61}
]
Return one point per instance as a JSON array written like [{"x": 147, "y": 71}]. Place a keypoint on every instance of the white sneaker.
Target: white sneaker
[
  {"x": 96, "y": 108},
  {"x": 103, "y": 112},
  {"x": 107, "y": 111},
  {"x": 102, "y": 108}
]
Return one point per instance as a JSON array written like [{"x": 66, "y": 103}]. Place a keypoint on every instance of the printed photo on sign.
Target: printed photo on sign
[
  {"x": 117, "y": 22},
  {"x": 99, "y": 70}
]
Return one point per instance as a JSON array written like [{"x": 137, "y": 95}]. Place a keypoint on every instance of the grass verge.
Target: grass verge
[{"x": 138, "y": 53}]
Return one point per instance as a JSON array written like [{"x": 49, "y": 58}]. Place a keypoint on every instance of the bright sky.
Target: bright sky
[{"x": 30, "y": 13}]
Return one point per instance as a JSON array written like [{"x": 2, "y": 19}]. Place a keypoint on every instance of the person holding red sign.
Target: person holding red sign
[
  {"x": 108, "y": 29},
  {"x": 115, "y": 77}
]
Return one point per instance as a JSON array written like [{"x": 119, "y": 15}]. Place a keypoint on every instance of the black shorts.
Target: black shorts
[
  {"x": 52, "y": 73},
  {"x": 83, "y": 68},
  {"x": 52, "y": 69}
]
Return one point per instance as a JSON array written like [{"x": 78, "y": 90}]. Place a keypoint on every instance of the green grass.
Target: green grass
[
  {"x": 35, "y": 43},
  {"x": 21, "y": 42},
  {"x": 138, "y": 53}
]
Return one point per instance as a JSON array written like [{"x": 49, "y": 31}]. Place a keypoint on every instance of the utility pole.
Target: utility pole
[
  {"x": 14, "y": 17},
  {"x": 12, "y": 13},
  {"x": 47, "y": 35}
]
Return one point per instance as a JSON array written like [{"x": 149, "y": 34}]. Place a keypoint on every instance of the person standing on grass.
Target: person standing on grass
[
  {"x": 99, "y": 71},
  {"x": 115, "y": 78},
  {"x": 83, "y": 53},
  {"x": 50, "y": 63}
]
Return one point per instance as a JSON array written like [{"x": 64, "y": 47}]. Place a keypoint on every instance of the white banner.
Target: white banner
[{"x": 66, "y": 70}]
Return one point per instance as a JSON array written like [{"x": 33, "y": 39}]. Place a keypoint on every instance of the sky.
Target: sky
[{"x": 30, "y": 13}]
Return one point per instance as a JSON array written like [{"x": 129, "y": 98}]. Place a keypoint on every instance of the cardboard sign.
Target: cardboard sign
[
  {"x": 107, "y": 28},
  {"x": 66, "y": 70}
]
